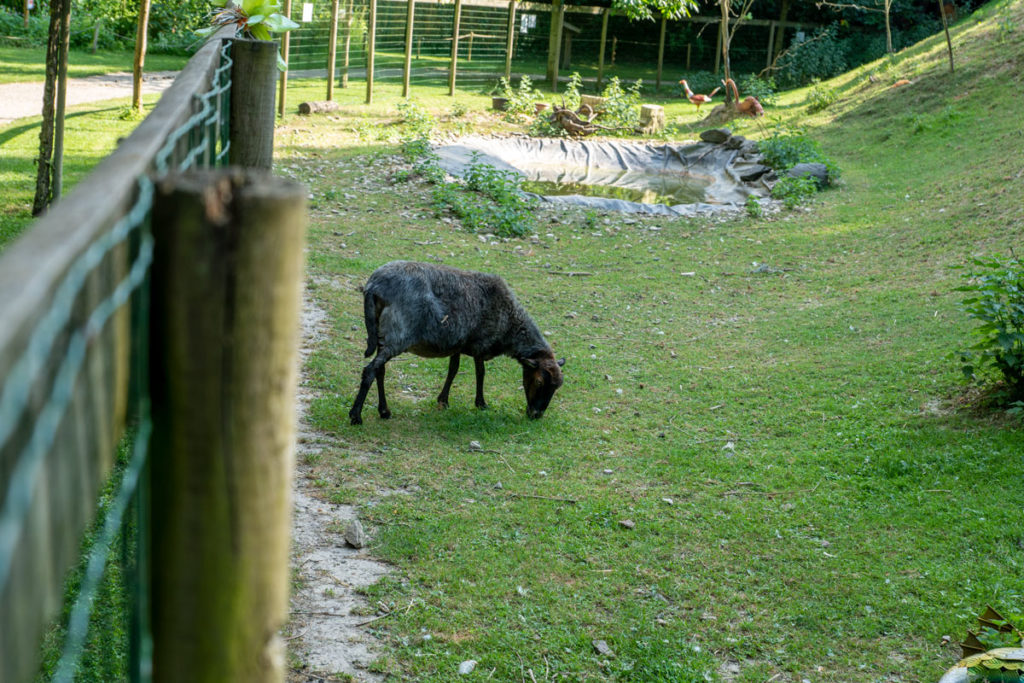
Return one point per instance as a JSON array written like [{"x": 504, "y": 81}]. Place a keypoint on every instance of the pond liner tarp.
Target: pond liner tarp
[{"x": 620, "y": 164}]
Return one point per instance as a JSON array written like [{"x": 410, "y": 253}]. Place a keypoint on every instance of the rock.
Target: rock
[
  {"x": 601, "y": 648},
  {"x": 475, "y": 446},
  {"x": 735, "y": 142},
  {"x": 754, "y": 172},
  {"x": 815, "y": 170},
  {"x": 467, "y": 667},
  {"x": 354, "y": 534},
  {"x": 627, "y": 523},
  {"x": 716, "y": 135}
]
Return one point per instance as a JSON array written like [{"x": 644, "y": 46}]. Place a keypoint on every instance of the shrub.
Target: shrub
[
  {"x": 794, "y": 191},
  {"x": 762, "y": 88},
  {"x": 418, "y": 121},
  {"x": 820, "y": 97},
  {"x": 521, "y": 100},
  {"x": 787, "y": 147},
  {"x": 621, "y": 107},
  {"x": 996, "y": 300},
  {"x": 823, "y": 55}
]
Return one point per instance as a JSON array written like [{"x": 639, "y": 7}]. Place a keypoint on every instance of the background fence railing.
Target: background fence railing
[{"x": 75, "y": 362}]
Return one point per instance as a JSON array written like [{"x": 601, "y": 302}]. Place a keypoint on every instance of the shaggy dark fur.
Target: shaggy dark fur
[{"x": 437, "y": 311}]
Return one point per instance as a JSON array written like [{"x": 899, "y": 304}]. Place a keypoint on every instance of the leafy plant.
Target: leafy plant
[
  {"x": 788, "y": 146},
  {"x": 418, "y": 121},
  {"x": 820, "y": 97},
  {"x": 794, "y": 191},
  {"x": 753, "y": 207},
  {"x": 255, "y": 19},
  {"x": 764, "y": 89},
  {"x": 996, "y": 300},
  {"x": 520, "y": 100},
  {"x": 572, "y": 90},
  {"x": 823, "y": 55},
  {"x": 505, "y": 210},
  {"x": 621, "y": 106}
]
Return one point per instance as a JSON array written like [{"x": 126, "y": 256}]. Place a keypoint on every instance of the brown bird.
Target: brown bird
[
  {"x": 697, "y": 99},
  {"x": 748, "y": 106}
]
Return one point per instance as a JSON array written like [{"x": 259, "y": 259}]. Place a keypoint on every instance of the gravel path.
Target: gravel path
[{"x": 18, "y": 100}]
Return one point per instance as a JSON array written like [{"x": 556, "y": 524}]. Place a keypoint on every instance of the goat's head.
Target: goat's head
[{"x": 542, "y": 374}]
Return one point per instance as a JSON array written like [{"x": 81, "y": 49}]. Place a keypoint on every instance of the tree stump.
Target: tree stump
[
  {"x": 318, "y": 107},
  {"x": 652, "y": 119},
  {"x": 595, "y": 103}
]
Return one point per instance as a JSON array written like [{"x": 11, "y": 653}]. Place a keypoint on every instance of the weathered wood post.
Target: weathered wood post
[
  {"x": 407, "y": 71},
  {"x": 286, "y": 43},
  {"x": 253, "y": 77},
  {"x": 455, "y": 47},
  {"x": 555, "y": 42},
  {"x": 371, "y": 38},
  {"x": 510, "y": 39},
  {"x": 604, "y": 40},
  {"x": 771, "y": 44},
  {"x": 661, "y": 53},
  {"x": 349, "y": 19},
  {"x": 332, "y": 50},
  {"x": 227, "y": 280}
]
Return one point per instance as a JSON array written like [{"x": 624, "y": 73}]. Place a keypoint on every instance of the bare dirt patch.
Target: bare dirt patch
[{"x": 327, "y": 630}]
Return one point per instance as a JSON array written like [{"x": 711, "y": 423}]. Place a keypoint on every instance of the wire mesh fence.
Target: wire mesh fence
[{"x": 104, "y": 626}]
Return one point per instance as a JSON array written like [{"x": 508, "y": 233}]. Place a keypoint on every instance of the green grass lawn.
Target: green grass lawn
[
  {"x": 812, "y": 493},
  {"x": 29, "y": 63}
]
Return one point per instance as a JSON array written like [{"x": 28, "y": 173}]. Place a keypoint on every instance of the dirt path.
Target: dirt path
[
  {"x": 18, "y": 100},
  {"x": 327, "y": 632}
]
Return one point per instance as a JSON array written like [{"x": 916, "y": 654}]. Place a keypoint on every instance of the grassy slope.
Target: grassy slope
[{"x": 835, "y": 509}]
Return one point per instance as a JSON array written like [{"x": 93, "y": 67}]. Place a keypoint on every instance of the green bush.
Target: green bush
[
  {"x": 823, "y": 55},
  {"x": 621, "y": 106},
  {"x": 794, "y": 191},
  {"x": 521, "y": 100},
  {"x": 820, "y": 97},
  {"x": 763, "y": 89},
  {"x": 495, "y": 201},
  {"x": 786, "y": 147},
  {"x": 996, "y": 301},
  {"x": 12, "y": 25}
]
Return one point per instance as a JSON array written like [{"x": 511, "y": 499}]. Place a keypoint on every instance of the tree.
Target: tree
[
  {"x": 883, "y": 6},
  {"x": 51, "y": 132},
  {"x": 140, "y": 54},
  {"x": 648, "y": 9}
]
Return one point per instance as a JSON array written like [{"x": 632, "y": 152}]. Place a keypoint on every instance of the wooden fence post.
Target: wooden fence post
[
  {"x": 349, "y": 9},
  {"x": 455, "y": 47},
  {"x": 332, "y": 50},
  {"x": 555, "y": 41},
  {"x": 227, "y": 281},
  {"x": 286, "y": 42},
  {"x": 604, "y": 40},
  {"x": 407, "y": 71},
  {"x": 661, "y": 53},
  {"x": 510, "y": 39},
  {"x": 253, "y": 77},
  {"x": 371, "y": 38}
]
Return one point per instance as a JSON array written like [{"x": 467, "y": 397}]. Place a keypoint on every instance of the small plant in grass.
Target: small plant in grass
[
  {"x": 494, "y": 202},
  {"x": 794, "y": 191},
  {"x": 417, "y": 120},
  {"x": 572, "y": 90},
  {"x": 520, "y": 100},
  {"x": 820, "y": 97},
  {"x": 786, "y": 147},
  {"x": 621, "y": 106},
  {"x": 753, "y": 207},
  {"x": 995, "y": 288}
]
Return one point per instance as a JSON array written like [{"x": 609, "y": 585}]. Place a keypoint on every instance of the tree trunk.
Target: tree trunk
[
  {"x": 781, "y": 30},
  {"x": 888, "y": 27},
  {"x": 949, "y": 43},
  {"x": 140, "y": 54},
  {"x": 724, "y": 4},
  {"x": 44, "y": 170},
  {"x": 62, "y": 99}
]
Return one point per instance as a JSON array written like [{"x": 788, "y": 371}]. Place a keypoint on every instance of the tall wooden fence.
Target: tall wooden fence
[{"x": 216, "y": 269}]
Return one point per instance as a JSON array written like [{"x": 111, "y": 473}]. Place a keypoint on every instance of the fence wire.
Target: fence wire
[{"x": 201, "y": 141}]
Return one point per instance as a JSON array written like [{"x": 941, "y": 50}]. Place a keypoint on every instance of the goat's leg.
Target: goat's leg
[
  {"x": 370, "y": 372},
  {"x": 478, "y": 363},
  {"x": 453, "y": 369},
  {"x": 382, "y": 403}
]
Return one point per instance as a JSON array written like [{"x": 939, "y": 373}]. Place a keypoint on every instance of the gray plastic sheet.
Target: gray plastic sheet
[{"x": 630, "y": 165}]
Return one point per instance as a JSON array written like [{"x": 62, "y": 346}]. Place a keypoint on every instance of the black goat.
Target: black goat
[{"x": 437, "y": 311}]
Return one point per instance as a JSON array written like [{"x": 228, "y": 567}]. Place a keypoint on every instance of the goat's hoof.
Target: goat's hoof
[
  {"x": 385, "y": 414},
  {"x": 355, "y": 418},
  {"x": 482, "y": 405},
  {"x": 442, "y": 405}
]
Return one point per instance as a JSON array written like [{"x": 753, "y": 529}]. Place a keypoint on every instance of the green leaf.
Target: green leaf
[
  {"x": 254, "y": 19},
  {"x": 209, "y": 30},
  {"x": 259, "y": 32},
  {"x": 279, "y": 23}
]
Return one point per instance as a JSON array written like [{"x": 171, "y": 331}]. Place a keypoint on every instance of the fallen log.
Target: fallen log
[{"x": 318, "y": 107}]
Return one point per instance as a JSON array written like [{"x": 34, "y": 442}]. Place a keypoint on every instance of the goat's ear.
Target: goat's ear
[
  {"x": 530, "y": 362},
  {"x": 561, "y": 362}
]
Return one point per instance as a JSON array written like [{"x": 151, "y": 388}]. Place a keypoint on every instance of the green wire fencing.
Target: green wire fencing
[{"x": 73, "y": 363}]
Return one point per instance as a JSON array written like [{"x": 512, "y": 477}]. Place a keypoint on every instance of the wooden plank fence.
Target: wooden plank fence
[{"x": 70, "y": 308}]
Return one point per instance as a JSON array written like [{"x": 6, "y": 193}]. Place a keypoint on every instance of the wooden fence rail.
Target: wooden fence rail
[{"x": 68, "y": 354}]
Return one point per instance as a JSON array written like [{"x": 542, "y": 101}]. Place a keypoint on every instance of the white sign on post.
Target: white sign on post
[{"x": 307, "y": 12}]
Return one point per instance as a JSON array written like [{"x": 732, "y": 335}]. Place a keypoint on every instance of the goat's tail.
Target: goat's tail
[{"x": 370, "y": 317}]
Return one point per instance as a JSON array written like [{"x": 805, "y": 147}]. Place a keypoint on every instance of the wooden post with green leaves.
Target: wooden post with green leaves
[
  {"x": 455, "y": 47},
  {"x": 371, "y": 38},
  {"x": 604, "y": 41},
  {"x": 226, "y": 295},
  {"x": 407, "y": 70},
  {"x": 253, "y": 78}
]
